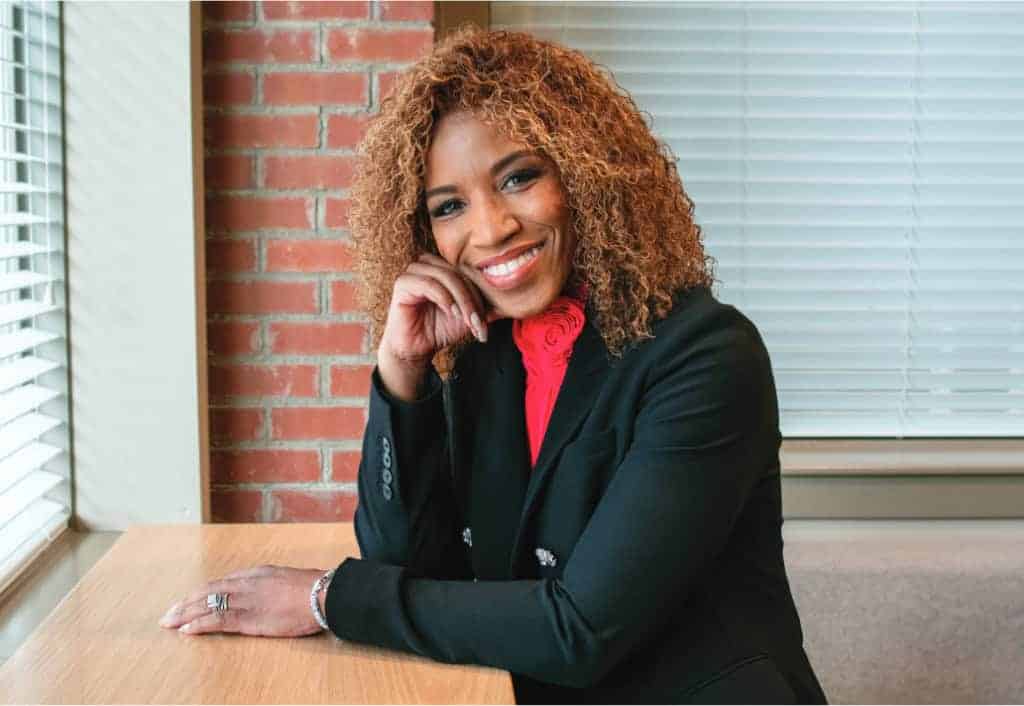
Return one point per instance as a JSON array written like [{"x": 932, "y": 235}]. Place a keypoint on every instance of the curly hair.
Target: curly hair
[{"x": 637, "y": 242}]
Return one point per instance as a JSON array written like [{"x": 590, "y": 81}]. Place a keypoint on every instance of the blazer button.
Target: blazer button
[
  {"x": 467, "y": 536},
  {"x": 387, "y": 476},
  {"x": 545, "y": 556},
  {"x": 385, "y": 490},
  {"x": 386, "y": 444},
  {"x": 386, "y": 459}
]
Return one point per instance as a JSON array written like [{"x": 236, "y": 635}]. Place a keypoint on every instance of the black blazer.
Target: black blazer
[{"x": 640, "y": 561}]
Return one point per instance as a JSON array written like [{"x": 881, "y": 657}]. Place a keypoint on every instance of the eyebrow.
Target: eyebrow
[{"x": 498, "y": 166}]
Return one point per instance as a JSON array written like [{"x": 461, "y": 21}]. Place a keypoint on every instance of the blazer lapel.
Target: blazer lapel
[
  {"x": 501, "y": 459},
  {"x": 587, "y": 367}
]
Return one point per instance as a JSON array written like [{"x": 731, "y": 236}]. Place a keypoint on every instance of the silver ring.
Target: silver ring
[{"x": 217, "y": 602}]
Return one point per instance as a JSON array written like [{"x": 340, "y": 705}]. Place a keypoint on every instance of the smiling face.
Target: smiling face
[{"x": 498, "y": 214}]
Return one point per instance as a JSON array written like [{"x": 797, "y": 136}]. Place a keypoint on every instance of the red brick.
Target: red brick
[
  {"x": 350, "y": 380},
  {"x": 316, "y": 10},
  {"x": 237, "y": 11},
  {"x": 308, "y": 172},
  {"x": 316, "y": 338},
  {"x": 262, "y": 297},
  {"x": 385, "y": 83},
  {"x": 259, "y": 380},
  {"x": 232, "y": 337},
  {"x": 259, "y": 46},
  {"x": 265, "y": 466},
  {"x": 343, "y": 297},
  {"x": 379, "y": 45},
  {"x": 309, "y": 256},
  {"x": 245, "y": 130},
  {"x": 308, "y": 423},
  {"x": 230, "y": 425},
  {"x": 236, "y": 506},
  {"x": 346, "y": 130},
  {"x": 230, "y": 256},
  {"x": 242, "y": 213},
  {"x": 235, "y": 88},
  {"x": 312, "y": 506},
  {"x": 229, "y": 171},
  {"x": 337, "y": 213},
  {"x": 408, "y": 10},
  {"x": 308, "y": 88},
  {"x": 345, "y": 466}
]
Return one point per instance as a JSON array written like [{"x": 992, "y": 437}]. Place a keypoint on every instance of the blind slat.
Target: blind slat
[
  {"x": 27, "y": 535},
  {"x": 25, "y": 461},
  {"x": 24, "y": 430},
  {"x": 27, "y": 309},
  {"x": 24, "y": 493}
]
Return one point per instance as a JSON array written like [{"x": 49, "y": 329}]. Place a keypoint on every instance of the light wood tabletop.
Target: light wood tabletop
[{"x": 102, "y": 643}]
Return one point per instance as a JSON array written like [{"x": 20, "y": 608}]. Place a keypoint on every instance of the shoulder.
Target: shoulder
[
  {"x": 700, "y": 326},
  {"x": 707, "y": 365}
]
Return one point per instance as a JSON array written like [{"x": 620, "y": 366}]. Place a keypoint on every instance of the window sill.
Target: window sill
[
  {"x": 902, "y": 457},
  {"x": 34, "y": 595}
]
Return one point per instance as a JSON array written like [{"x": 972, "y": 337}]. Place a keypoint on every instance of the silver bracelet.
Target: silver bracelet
[{"x": 314, "y": 604}]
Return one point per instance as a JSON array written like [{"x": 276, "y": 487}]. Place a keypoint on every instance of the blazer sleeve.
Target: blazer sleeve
[
  {"x": 700, "y": 441},
  {"x": 407, "y": 515}
]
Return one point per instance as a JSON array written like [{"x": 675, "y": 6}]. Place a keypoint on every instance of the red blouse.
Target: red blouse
[{"x": 545, "y": 342}]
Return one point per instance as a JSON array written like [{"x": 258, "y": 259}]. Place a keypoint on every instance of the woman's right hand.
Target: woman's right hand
[{"x": 432, "y": 307}]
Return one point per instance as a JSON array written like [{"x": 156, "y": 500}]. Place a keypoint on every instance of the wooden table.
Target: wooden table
[{"x": 102, "y": 643}]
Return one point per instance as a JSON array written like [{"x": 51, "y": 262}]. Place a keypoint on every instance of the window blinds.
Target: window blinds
[
  {"x": 34, "y": 488},
  {"x": 858, "y": 172}
]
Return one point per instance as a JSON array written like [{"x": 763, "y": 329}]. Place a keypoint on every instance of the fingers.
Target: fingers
[
  {"x": 194, "y": 605},
  {"x": 212, "y": 621},
  {"x": 463, "y": 293}
]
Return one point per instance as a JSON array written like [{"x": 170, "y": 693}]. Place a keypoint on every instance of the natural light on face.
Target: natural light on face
[{"x": 498, "y": 213}]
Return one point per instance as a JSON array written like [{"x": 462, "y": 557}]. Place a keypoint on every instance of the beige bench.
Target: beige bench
[{"x": 911, "y": 611}]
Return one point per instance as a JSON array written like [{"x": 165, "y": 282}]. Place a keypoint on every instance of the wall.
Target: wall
[
  {"x": 288, "y": 87},
  {"x": 131, "y": 264}
]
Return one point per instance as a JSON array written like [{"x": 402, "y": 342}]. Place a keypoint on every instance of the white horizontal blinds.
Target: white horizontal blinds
[
  {"x": 858, "y": 171},
  {"x": 34, "y": 488}
]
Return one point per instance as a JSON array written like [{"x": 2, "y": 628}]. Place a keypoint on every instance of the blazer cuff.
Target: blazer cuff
[{"x": 417, "y": 422}]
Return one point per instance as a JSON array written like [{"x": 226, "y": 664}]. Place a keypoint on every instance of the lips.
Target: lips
[
  {"x": 508, "y": 255},
  {"x": 514, "y": 272}
]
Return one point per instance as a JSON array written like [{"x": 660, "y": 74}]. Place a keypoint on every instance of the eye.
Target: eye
[
  {"x": 445, "y": 208},
  {"x": 521, "y": 177}
]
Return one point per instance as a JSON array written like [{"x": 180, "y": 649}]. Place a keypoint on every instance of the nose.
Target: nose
[{"x": 494, "y": 222}]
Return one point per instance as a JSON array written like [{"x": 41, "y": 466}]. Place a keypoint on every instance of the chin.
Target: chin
[{"x": 535, "y": 302}]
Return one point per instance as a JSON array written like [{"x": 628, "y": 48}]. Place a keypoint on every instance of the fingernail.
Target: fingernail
[
  {"x": 481, "y": 331},
  {"x": 187, "y": 627}
]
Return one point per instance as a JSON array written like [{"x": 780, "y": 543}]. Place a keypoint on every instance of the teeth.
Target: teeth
[{"x": 507, "y": 268}]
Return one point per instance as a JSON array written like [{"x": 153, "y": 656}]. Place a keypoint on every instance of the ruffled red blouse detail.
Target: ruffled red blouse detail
[{"x": 546, "y": 342}]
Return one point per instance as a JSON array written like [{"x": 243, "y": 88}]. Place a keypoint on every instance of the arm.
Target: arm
[
  {"x": 406, "y": 514},
  {"x": 703, "y": 429}
]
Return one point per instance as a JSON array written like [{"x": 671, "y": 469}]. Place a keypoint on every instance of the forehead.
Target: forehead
[{"x": 461, "y": 142}]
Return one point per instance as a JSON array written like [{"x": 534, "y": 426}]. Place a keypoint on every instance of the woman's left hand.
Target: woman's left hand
[{"x": 272, "y": 601}]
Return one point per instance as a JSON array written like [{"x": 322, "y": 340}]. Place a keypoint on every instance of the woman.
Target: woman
[{"x": 590, "y": 498}]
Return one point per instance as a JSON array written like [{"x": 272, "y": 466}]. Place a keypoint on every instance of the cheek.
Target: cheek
[
  {"x": 447, "y": 246},
  {"x": 550, "y": 207}
]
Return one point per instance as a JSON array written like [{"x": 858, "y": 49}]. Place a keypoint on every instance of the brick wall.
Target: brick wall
[{"x": 287, "y": 89}]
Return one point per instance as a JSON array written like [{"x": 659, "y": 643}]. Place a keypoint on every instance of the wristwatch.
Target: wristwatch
[{"x": 314, "y": 602}]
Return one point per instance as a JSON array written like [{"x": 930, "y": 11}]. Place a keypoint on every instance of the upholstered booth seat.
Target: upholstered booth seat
[{"x": 911, "y": 611}]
